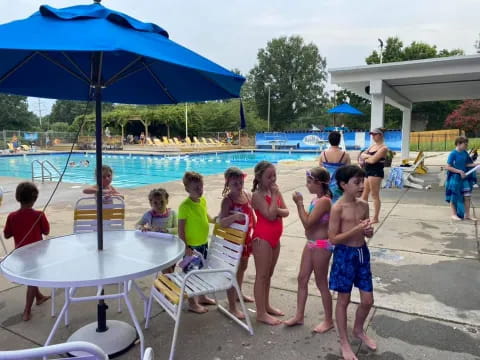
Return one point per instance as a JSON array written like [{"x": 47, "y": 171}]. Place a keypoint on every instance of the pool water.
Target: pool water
[{"x": 139, "y": 170}]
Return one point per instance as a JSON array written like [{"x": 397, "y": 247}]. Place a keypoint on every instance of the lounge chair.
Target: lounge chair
[
  {"x": 204, "y": 141},
  {"x": 218, "y": 274},
  {"x": 178, "y": 142},
  {"x": 195, "y": 141},
  {"x": 188, "y": 141},
  {"x": 158, "y": 142},
  {"x": 149, "y": 141},
  {"x": 411, "y": 181}
]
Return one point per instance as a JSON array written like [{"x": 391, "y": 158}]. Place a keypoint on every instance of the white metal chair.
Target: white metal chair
[
  {"x": 218, "y": 274},
  {"x": 91, "y": 352},
  {"x": 85, "y": 214}
]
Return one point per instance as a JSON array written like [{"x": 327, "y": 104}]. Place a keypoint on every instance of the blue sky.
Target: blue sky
[{"x": 345, "y": 31}]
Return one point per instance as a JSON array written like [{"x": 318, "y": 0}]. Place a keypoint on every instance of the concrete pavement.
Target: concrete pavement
[{"x": 426, "y": 280}]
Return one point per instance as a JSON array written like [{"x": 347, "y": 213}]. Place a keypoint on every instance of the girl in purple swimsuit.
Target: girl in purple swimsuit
[{"x": 318, "y": 250}]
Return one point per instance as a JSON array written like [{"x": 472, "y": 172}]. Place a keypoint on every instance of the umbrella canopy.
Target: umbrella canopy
[
  {"x": 345, "y": 109},
  {"x": 89, "y": 52},
  {"x": 51, "y": 54}
]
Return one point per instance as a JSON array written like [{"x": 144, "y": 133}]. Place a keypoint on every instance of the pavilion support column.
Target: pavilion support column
[
  {"x": 378, "y": 104},
  {"x": 406, "y": 128}
]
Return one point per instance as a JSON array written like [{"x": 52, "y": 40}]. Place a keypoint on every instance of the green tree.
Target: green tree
[
  {"x": 434, "y": 112},
  {"x": 296, "y": 76},
  {"x": 14, "y": 113},
  {"x": 68, "y": 110}
]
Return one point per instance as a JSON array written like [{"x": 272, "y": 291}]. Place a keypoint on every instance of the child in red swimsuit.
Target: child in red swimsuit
[
  {"x": 27, "y": 226},
  {"x": 270, "y": 208},
  {"x": 236, "y": 204},
  {"x": 318, "y": 250}
]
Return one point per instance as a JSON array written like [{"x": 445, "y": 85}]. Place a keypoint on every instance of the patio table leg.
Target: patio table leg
[
  {"x": 59, "y": 319},
  {"x": 134, "y": 317}
]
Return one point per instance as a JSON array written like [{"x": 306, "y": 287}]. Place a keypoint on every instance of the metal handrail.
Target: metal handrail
[{"x": 44, "y": 170}]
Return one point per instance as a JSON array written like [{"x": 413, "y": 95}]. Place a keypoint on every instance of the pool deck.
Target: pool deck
[{"x": 426, "y": 280}]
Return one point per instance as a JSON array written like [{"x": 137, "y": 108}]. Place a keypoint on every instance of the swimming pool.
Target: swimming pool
[{"x": 139, "y": 170}]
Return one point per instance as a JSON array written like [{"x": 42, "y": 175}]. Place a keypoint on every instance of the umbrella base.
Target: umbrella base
[{"x": 119, "y": 337}]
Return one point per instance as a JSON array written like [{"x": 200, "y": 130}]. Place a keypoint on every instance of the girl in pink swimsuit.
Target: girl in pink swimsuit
[
  {"x": 318, "y": 250},
  {"x": 270, "y": 209},
  {"x": 235, "y": 205}
]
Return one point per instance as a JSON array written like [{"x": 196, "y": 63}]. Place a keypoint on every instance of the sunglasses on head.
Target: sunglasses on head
[{"x": 310, "y": 176}]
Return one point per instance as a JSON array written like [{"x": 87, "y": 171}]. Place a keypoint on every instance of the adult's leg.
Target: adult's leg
[
  {"x": 375, "y": 183},
  {"x": 321, "y": 261},
  {"x": 467, "y": 202},
  {"x": 366, "y": 190},
  {"x": 263, "y": 256},
  {"x": 366, "y": 303},
  {"x": 343, "y": 300},
  {"x": 270, "y": 309},
  {"x": 306, "y": 268}
]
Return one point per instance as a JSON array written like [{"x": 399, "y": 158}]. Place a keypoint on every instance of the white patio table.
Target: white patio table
[{"x": 73, "y": 261}]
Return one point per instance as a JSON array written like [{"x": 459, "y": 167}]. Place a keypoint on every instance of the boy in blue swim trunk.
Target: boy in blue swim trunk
[{"x": 348, "y": 227}]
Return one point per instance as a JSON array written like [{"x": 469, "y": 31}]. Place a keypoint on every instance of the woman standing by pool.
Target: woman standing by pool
[
  {"x": 374, "y": 159},
  {"x": 332, "y": 159}
]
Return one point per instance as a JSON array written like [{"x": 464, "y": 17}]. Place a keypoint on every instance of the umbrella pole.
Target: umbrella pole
[{"x": 101, "y": 306}]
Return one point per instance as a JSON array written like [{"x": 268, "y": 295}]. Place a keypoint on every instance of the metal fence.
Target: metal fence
[{"x": 54, "y": 140}]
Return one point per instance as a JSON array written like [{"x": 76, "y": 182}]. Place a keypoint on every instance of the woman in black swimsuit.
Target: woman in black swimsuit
[{"x": 374, "y": 159}]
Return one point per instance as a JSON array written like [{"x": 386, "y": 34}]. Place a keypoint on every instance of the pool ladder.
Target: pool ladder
[{"x": 48, "y": 170}]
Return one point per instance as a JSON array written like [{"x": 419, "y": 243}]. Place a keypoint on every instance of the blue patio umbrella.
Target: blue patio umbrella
[
  {"x": 89, "y": 52},
  {"x": 345, "y": 109}
]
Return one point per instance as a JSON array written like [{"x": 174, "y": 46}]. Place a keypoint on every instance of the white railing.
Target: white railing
[{"x": 47, "y": 171}]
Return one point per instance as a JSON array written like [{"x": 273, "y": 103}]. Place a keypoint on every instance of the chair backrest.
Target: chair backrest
[
  {"x": 157, "y": 141},
  {"x": 187, "y": 140},
  {"x": 178, "y": 142},
  {"x": 419, "y": 157},
  {"x": 204, "y": 140},
  {"x": 85, "y": 214},
  {"x": 149, "y": 141},
  {"x": 90, "y": 351},
  {"x": 10, "y": 146},
  {"x": 165, "y": 140},
  {"x": 195, "y": 140},
  {"x": 226, "y": 246}
]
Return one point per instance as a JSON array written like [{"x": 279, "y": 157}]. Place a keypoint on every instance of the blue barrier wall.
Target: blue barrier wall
[{"x": 295, "y": 140}]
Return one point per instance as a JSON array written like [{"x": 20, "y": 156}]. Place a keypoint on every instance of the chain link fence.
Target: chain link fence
[{"x": 53, "y": 140}]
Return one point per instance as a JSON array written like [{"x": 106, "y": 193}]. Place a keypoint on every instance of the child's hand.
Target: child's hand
[
  {"x": 368, "y": 231},
  {"x": 462, "y": 174},
  {"x": 188, "y": 251},
  {"x": 274, "y": 190},
  {"x": 145, "y": 228},
  {"x": 239, "y": 218},
  {"x": 297, "y": 197},
  {"x": 363, "y": 225}
]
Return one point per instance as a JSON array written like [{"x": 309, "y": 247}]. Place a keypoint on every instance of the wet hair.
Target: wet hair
[
  {"x": 461, "y": 140},
  {"x": 258, "y": 172},
  {"x": 334, "y": 138},
  {"x": 160, "y": 193},
  {"x": 321, "y": 175},
  {"x": 26, "y": 193},
  {"x": 105, "y": 169},
  {"x": 345, "y": 173},
  {"x": 192, "y": 176},
  {"x": 231, "y": 172}
]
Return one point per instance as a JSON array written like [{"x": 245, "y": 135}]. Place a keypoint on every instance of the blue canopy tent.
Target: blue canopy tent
[
  {"x": 89, "y": 52},
  {"x": 345, "y": 109}
]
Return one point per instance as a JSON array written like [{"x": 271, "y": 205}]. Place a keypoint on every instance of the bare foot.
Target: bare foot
[
  {"x": 248, "y": 299},
  {"x": 367, "y": 340},
  {"x": 197, "y": 309},
  {"x": 470, "y": 218},
  {"x": 323, "y": 327},
  {"x": 26, "y": 315},
  {"x": 296, "y": 320},
  {"x": 268, "y": 319},
  {"x": 275, "y": 312},
  {"x": 456, "y": 218},
  {"x": 347, "y": 352},
  {"x": 41, "y": 300},
  {"x": 374, "y": 221},
  {"x": 237, "y": 313},
  {"x": 205, "y": 300}
]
